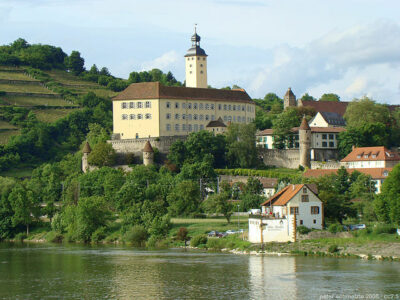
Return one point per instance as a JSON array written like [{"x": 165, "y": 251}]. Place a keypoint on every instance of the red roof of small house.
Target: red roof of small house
[
  {"x": 327, "y": 106},
  {"x": 375, "y": 173},
  {"x": 371, "y": 154},
  {"x": 286, "y": 194}
]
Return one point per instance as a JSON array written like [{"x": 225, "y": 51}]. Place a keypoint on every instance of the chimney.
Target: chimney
[
  {"x": 293, "y": 187},
  {"x": 353, "y": 147}
]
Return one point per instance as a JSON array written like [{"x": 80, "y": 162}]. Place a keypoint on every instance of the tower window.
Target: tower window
[
  {"x": 168, "y": 104},
  {"x": 201, "y": 72},
  {"x": 201, "y": 65},
  {"x": 198, "y": 58},
  {"x": 204, "y": 58},
  {"x": 176, "y": 105}
]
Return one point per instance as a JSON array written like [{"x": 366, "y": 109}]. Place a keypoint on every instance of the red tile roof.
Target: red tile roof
[
  {"x": 154, "y": 90},
  {"x": 327, "y": 106},
  {"x": 287, "y": 193},
  {"x": 313, "y": 129},
  {"x": 371, "y": 154},
  {"x": 375, "y": 173}
]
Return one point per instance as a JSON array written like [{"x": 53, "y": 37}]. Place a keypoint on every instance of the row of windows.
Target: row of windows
[
  {"x": 146, "y": 104},
  {"x": 190, "y": 117},
  {"x": 136, "y": 117},
  {"x": 185, "y": 127},
  {"x": 201, "y": 72},
  {"x": 295, "y": 210},
  {"x": 331, "y": 144},
  {"x": 331, "y": 136},
  {"x": 201, "y": 65},
  {"x": 207, "y": 106},
  {"x": 198, "y": 58}
]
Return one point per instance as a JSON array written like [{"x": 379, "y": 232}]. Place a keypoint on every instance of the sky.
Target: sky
[{"x": 347, "y": 47}]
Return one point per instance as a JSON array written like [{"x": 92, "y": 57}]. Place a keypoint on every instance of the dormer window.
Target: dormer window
[
  {"x": 373, "y": 155},
  {"x": 385, "y": 173},
  {"x": 359, "y": 156},
  {"x": 366, "y": 156}
]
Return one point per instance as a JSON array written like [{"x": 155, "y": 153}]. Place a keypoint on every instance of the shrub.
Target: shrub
[
  {"x": 2, "y": 93},
  {"x": 20, "y": 236},
  {"x": 333, "y": 249},
  {"x": 303, "y": 229},
  {"x": 384, "y": 228},
  {"x": 334, "y": 228},
  {"x": 137, "y": 236},
  {"x": 54, "y": 237},
  {"x": 197, "y": 240},
  {"x": 182, "y": 234},
  {"x": 99, "y": 235},
  {"x": 217, "y": 244}
]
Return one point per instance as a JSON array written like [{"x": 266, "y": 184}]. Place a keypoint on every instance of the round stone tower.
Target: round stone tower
[
  {"x": 148, "y": 154},
  {"x": 289, "y": 100},
  {"x": 86, "y": 151},
  {"x": 305, "y": 143}
]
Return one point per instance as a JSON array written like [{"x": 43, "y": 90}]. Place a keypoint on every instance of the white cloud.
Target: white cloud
[
  {"x": 360, "y": 60},
  {"x": 163, "y": 62}
]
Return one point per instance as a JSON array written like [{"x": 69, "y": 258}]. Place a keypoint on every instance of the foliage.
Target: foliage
[
  {"x": 137, "y": 235},
  {"x": 182, "y": 234},
  {"x": 282, "y": 126},
  {"x": 303, "y": 229},
  {"x": 330, "y": 97},
  {"x": 75, "y": 63},
  {"x": 371, "y": 111},
  {"x": 198, "y": 240},
  {"x": 152, "y": 76},
  {"x": 334, "y": 228},
  {"x": 307, "y": 97},
  {"x": 384, "y": 228},
  {"x": 333, "y": 249},
  {"x": 103, "y": 154},
  {"x": 219, "y": 203},
  {"x": 184, "y": 199}
]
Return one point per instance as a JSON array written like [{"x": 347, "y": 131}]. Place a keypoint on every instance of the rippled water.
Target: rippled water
[{"x": 95, "y": 272}]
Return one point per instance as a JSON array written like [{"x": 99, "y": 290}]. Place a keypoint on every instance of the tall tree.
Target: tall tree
[
  {"x": 330, "y": 97},
  {"x": 75, "y": 63},
  {"x": 241, "y": 145}
]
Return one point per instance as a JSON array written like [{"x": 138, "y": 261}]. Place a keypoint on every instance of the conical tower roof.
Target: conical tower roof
[
  {"x": 304, "y": 124},
  {"x": 86, "y": 148},
  {"x": 148, "y": 147},
  {"x": 289, "y": 93}
]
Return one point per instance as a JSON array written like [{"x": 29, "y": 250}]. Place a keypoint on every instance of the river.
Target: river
[{"x": 46, "y": 271}]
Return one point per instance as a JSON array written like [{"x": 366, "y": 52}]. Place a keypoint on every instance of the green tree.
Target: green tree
[
  {"x": 219, "y": 203},
  {"x": 282, "y": 125},
  {"x": 75, "y": 63},
  {"x": 102, "y": 154},
  {"x": 370, "y": 111},
  {"x": 307, "y": 97},
  {"x": 330, "y": 97},
  {"x": 241, "y": 145},
  {"x": 184, "y": 199}
]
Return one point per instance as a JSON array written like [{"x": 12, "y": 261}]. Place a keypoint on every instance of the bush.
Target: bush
[
  {"x": 20, "y": 236},
  {"x": 99, "y": 235},
  {"x": 333, "y": 248},
  {"x": 2, "y": 93},
  {"x": 182, "y": 234},
  {"x": 384, "y": 228},
  {"x": 197, "y": 240},
  {"x": 334, "y": 228},
  {"x": 216, "y": 244},
  {"x": 303, "y": 229},
  {"x": 54, "y": 237},
  {"x": 137, "y": 236}
]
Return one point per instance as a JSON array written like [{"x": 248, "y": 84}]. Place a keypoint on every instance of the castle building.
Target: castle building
[{"x": 150, "y": 111}]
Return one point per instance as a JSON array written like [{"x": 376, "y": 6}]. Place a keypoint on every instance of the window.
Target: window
[
  {"x": 315, "y": 221},
  {"x": 194, "y": 105},
  {"x": 139, "y": 105},
  {"x": 183, "y": 127},
  {"x": 176, "y": 105},
  {"x": 314, "y": 210},
  {"x": 225, "y": 118},
  {"x": 195, "y": 117},
  {"x": 201, "y": 127},
  {"x": 207, "y": 117},
  {"x": 201, "y": 117},
  {"x": 183, "y": 117},
  {"x": 304, "y": 190},
  {"x": 239, "y": 119},
  {"x": 147, "y": 116},
  {"x": 243, "y": 109},
  {"x": 198, "y": 58},
  {"x": 234, "y": 107},
  {"x": 132, "y": 117},
  {"x": 331, "y": 144},
  {"x": 124, "y": 105},
  {"x": 131, "y": 104},
  {"x": 190, "y": 127},
  {"x": 176, "y": 127},
  {"x": 201, "y": 106},
  {"x": 207, "y": 106},
  {"x": 201, "y": 72},
  {"x": 294, "y": 210},
  {"x": 176, "y": 116},
  {"x": 229, "y": 107},
  {"x": 225, "y": 107},
  {"x": 304, "y": 198},
  {"x": 168, "y": 116},
  {"x": 234, "y": 118},
  {"x": 148, "y": 104},
  {"x": 168, "y": 104},
  {"x": 184, "y": 105},
  {"x": 137, "y": 135},
  {"x": 229, "y": 118},
  {"x": 219, "y": 107},
  {"x": 189, "y": 116},
  {"x": 168, "y": 127},
  {"x": 139, "y": 116},
  {"x": 212, "y": 118},
  {"x": 331, "y": 137},
  {"x": 201, "y": 65},
  {"x": 212, "y": 106},
  {"x": 124, "y": 117},
  {"x": 301, "y": 222},
  {"x": 204, "y": 58},
  {"x": 324, "y": 136},
  {"x": 195, "y": 127},
  {"x": 324, "y": 144}
]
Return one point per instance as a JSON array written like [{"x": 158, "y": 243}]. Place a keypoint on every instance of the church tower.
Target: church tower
[
  {"x": 196, "y": 64},
  {"x": 305, "y": 143},
  {"x": 289, "y": 99}
]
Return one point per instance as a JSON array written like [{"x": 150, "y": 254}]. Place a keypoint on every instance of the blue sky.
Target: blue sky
[{"x": 348, "y": 47}]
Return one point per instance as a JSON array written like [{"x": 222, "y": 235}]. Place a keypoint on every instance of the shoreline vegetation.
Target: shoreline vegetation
[{"x": 362, "y": 244}]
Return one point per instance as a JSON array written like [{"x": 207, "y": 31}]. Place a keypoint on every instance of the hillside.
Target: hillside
[{"x": 20, "y": 89}]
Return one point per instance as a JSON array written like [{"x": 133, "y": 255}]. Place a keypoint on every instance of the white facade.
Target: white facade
[
  {"x": 318, "y": 121},
  {"x": 268, "y": 192}
]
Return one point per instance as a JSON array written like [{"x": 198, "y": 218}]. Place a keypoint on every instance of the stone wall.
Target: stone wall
[
  {"x": 136, "y": 146},
  {"x": 325, "y": 165},
  {"x": 281, "y": 158},
  {"x": 325, "y": 154}
]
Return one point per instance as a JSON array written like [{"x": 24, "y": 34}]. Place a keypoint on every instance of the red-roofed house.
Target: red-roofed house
[
  {"x": 371, "y": 157},
  {"x": 294, "y": 205}
]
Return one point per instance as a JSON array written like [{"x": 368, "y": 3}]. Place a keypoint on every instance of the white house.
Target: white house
[
  {"x": 327, "y": 119},
  {"x": 294, "y": 205}
]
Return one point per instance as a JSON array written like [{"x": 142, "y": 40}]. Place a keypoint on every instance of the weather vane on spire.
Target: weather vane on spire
[{"x": 195, "y": 25}]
